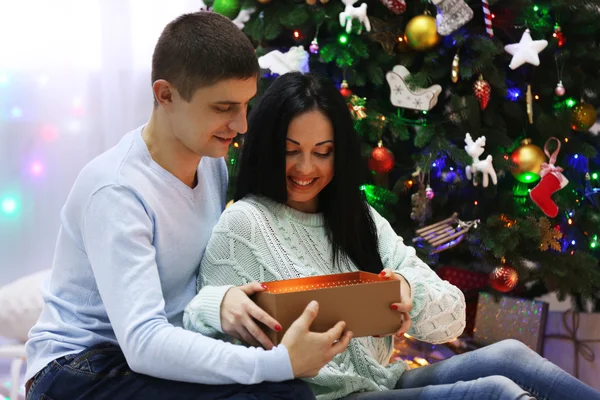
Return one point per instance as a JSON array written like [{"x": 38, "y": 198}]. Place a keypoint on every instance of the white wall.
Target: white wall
[{"x": 74, "y": 77}]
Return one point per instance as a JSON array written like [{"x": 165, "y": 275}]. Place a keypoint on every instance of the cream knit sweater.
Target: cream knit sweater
[{"x": 257, "y": 239}]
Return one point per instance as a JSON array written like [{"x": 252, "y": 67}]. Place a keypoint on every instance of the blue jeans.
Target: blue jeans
[
  {"x": 505, "y": 370},
  {"x": 101, "y": 373}
]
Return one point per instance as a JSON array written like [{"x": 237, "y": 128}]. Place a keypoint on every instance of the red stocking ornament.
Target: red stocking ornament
[{"x": 552, "y": 181}]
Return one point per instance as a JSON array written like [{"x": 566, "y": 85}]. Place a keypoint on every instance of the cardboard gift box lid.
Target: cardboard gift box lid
[{"x": 361, "y": 299}]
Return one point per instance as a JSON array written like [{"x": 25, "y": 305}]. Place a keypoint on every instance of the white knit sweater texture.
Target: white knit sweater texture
[{"x": 258, "y": 239}]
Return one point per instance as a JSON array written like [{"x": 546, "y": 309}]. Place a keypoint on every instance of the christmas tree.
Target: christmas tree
[{"x": 478, "y": 119}]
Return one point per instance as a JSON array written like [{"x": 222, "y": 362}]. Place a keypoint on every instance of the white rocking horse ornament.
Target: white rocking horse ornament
[
  {"x": 475, "y": 149},
  {"x": 351, "y": 12}
]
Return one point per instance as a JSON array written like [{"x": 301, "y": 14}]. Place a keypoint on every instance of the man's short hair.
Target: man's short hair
[{"x": 200, "y": 49}]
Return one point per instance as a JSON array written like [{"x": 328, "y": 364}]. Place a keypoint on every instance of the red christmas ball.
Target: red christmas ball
[
  {"x": 382, "y": 160},
  {"x": 345, "y": 90},
  {"x": 504, "y": 278}
]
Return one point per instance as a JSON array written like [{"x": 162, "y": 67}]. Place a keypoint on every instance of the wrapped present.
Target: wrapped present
[
  {"x": 510, "y": 318},
  {"x": 470, "y": 283},
  {"x": 463, "y": 279},
  {"x": 572, "y": 341},
  {"x": 360, "y": 299}
]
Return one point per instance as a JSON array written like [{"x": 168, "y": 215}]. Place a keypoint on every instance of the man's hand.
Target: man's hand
[
  {"x": 310, "y": 351},
  {"x": 405, "y": 306},
  {"x": 238, "y": 313}
]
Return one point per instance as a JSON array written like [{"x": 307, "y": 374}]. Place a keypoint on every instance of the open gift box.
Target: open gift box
[{"x": 361, "y": 299}]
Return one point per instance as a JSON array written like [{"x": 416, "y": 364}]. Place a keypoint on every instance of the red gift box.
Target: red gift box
[
  {"x": 469, "y": 282},
  {"x": 464, "y": 279}
]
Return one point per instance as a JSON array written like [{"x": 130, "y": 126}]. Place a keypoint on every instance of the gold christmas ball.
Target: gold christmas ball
[
  {"x": 421, "y": 33},
  {"x": 310, "y": 2},
  {"x": 583, "y": 117},
  {"x": 324, "y": 1},
  {"x": 266, "y": 1},
  {"x": 529, "y": 159}
]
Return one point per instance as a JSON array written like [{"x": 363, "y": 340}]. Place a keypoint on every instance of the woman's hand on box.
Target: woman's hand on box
[
  {"x": 405, "y": 306},
  {"x": 238, "y": 315}
]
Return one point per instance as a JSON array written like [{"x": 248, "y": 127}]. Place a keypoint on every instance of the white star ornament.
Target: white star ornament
[{"x": 526, "y": 51}]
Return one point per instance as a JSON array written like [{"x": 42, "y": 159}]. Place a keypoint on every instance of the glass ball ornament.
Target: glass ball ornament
[
  {"x": 345, "y": 89},
  {"x": 421, "y": 33},
  {"x": 583, "y": 117},
  {"x": 228, "y": 8},
  {"x": 429, "y": 193},
  {"x": 314, "y": 46},
  {"x": 504, "y": 278},
  {"x": 559, "y": 90},
  {"x": 528, "y": 159},
  {"x": 382, "y": 160}
]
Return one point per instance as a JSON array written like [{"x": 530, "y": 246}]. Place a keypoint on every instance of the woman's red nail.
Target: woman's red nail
[
  {"x": 278, "y": 328},
  {"x": 382, "y": 273},
  {"x": 263, "y": 286},
  {"x": 394, "y": 307}
]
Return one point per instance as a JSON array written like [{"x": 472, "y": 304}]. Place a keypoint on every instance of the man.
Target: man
[{"x": 133, "y": 232}]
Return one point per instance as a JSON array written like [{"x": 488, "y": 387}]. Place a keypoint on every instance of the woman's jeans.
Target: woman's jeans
[
  {"x": 101, "y": 373},
  {"x": 505, "y": 370}
]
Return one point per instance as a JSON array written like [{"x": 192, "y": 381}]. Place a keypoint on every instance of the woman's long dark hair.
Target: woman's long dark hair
[{"x": 262, "y": 171}]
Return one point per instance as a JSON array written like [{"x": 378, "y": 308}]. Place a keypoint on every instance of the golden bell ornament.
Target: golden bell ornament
[
  {"x": 583, "y": 117},
  {"x": 421, "y": 33},
  {"x": 529, "y": 159}
]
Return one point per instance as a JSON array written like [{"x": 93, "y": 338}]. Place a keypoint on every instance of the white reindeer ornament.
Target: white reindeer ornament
[
  {"x": 351, "y": 12},
  {"x": 475, "y": 149}
]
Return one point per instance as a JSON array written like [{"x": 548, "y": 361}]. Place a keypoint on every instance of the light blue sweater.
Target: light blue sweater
[{"x": 126, "y": 263}]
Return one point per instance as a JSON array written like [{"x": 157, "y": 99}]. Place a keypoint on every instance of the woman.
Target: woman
[{"x": 299, "y": 212}]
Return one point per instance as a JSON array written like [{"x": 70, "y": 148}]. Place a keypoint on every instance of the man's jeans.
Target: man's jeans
[{"x": 101, "y": 373}]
